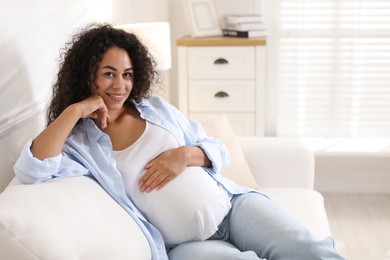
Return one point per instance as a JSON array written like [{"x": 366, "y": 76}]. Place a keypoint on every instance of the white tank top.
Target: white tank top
[{"x": 188, "y": 208}]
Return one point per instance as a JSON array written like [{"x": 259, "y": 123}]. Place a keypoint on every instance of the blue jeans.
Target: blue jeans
[{"x": 256, "y": 228}]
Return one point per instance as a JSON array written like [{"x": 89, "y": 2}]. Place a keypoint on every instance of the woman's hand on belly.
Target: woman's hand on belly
[
  {"x": 170, "y": 164},
  {"x": 163, "y": 169}
]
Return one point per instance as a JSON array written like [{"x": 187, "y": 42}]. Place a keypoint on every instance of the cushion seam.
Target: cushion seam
[{"x": 18, "y": 241}]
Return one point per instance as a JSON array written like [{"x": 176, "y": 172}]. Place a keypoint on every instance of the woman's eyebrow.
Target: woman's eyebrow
[
  {"x": 109, "y": 67},
  {"x": 114, "y": 69}
]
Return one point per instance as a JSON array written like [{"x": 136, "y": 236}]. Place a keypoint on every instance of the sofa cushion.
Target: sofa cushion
[
  {"x": 70, "y": 218},
  {"x": 304, "y": 205},
  {"x": 217, "y": 125}
]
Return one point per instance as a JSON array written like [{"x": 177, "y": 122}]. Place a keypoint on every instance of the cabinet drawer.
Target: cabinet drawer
[
  {"x": 221, "y": 62},
  {"x": 243, "y": 124},
  {"x": 221, "y": 95}
]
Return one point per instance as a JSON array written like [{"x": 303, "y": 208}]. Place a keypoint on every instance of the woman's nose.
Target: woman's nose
[{"x": 119, "y": 82}]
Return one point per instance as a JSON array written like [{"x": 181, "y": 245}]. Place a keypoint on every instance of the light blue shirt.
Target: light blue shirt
[{"x": 88, "y": 151}]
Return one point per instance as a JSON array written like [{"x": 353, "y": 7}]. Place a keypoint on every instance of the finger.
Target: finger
[
  {"x": 145, "y": 177},
  {"x": 144, "y": 182},
  {"x": 105, "y": 116},
  {"x": 149, "y": 165},
  {"x": 159, "y": 182},
  {"x": 163, "y": 183},
  {"x": 93, "y": 115},
  {"x": 151, "y": 181},
  {"x": 102, "y": 111},
  {"x": 92, "y": 107}
]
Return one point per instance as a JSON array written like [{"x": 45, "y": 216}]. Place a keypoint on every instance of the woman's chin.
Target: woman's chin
[{"x": 116, "y": 106}]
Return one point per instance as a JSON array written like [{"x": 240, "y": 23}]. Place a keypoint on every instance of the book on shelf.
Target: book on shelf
[
  {"x": 244, "y": 34},
  {"x": 245, "y": 26},
  {"x": 242, "y": 18}
]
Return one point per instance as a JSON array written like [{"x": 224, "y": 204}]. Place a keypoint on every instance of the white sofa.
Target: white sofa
[{"x": 75, "y": 218}]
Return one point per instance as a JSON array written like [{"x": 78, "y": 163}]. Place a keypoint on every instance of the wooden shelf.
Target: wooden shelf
[{"x": 220, "y": 41}]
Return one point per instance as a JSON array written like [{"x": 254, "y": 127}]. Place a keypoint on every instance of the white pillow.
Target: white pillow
[
  {"x": 217, "y": 125},
  {"x": 72, "y": 218}
]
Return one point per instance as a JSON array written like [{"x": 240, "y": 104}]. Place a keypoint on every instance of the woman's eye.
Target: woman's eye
[
  {"x": 109, "y": 74},
  {"x": 128, "y": 75}
]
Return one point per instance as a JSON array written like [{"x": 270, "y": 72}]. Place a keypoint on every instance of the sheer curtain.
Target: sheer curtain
[{"x": 332, "y": 68}]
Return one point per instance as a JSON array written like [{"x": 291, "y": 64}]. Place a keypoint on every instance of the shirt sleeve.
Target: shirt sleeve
[
  {"x": 214, "y": 148},
  {"x": 29, "y": 169}
]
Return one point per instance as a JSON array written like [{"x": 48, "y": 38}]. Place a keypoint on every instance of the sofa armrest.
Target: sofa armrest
[
  {"x": 279, "y": 162},
  {"x": 70, "y": 218}
]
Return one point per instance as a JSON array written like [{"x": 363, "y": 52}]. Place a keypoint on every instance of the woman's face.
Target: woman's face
[{"x": 114, "y": 79}]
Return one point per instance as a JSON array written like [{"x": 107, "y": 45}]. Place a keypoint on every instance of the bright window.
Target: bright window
[{"x": 333, "y": 68}]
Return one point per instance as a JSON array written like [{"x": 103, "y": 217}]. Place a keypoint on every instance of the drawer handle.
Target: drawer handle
[
  {"x": 221, "y": 61},
  {"x": 221, "y": 94}
]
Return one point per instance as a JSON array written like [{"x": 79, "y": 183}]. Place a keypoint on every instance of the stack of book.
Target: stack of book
[{"x": 245, "y": 26}]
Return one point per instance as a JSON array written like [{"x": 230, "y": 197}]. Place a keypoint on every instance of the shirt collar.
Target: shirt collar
[
  {"x": 143, "y": 103},
  {"x": 93, "y": 132}
]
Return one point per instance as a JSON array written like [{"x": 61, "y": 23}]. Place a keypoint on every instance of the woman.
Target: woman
[{"x": 104, "y": 122}]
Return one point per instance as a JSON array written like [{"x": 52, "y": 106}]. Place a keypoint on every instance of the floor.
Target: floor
[{"x": 360, "y": 224}]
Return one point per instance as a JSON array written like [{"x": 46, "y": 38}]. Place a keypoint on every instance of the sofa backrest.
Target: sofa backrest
[{"x": 13, "y": 135}]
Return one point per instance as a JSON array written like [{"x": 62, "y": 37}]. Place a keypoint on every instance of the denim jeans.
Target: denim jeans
[{"x": 256, "y": 228}]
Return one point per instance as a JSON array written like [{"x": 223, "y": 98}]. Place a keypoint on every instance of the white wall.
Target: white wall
[
  {"x": 136, "y": 11},
  {"x": 31, "y": 34}
]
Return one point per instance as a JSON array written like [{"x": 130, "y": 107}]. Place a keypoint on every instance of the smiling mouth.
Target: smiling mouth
[{"x": 116, "y": 97}]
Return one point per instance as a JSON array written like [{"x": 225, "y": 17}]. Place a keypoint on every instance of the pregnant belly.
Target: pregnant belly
[{"x": 188, "y": 208}]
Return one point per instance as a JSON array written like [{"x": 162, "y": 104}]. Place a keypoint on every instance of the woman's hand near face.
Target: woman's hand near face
[
  {"x": 170, "y": 164},
  {"x": 50, "y": 141},
  {"x": 94, "y": 107}
]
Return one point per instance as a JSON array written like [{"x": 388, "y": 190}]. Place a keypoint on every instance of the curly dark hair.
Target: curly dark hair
[{"x": 79, "y": 61}]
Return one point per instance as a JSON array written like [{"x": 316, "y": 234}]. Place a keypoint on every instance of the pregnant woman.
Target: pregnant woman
[{"x": 104, "y": 122}]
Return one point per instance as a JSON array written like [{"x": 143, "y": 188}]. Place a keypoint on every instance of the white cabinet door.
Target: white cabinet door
[
  {"x": 221, "y": 63},
  {"x": 221, "y": 95}
]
